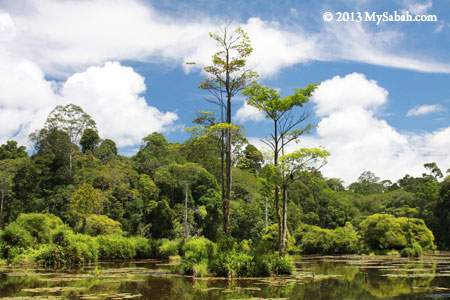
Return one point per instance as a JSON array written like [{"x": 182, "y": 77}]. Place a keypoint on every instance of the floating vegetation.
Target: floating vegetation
[
  {"x": 240, "y": 289},
  {"x": 380, "y": 277},
  {"x": 56, "y": 289},
  {"x": 417, "y": 275},
  {"x": 212, "y": 289},
  {"x": 258, "y": 298},
  {"x": 23, "y": 274},
  {"x": 33, "y": 298},
  {"x": 123, "y": 296}
]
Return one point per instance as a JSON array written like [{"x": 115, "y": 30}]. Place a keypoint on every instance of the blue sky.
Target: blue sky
[{"x": 383, "y": 104}]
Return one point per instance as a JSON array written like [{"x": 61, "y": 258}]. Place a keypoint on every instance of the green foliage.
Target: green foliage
[
  {"x": 106, "y": 151},
  {"x": 85, "y": 201},
  {"x": 316, "y": 240},
  {"x": 382, "y": 231},
  {"x": 39, "y": 226},
  {"x": 142, "y": 247},
  {"x": 233, "y": 264},
  {"x": 282, "y": 265},
  {"x": 15, "y": 238},
  {"x": 167, "y": 248},
  {"x": 415, "y": 250},
  {"x": 115, "y": 246},
  {"x": 197, "y": 252},
  {"x": 269, "y": 241},
  {"x": 89, "y": 140},
  {"x": 67, "y": 248},
  {"x": 200, "y": 269},
  {"x": 11, "y": 151},
  {"x": 101, "y": 225}
]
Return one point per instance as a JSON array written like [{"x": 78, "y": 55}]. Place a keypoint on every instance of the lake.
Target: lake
[{"x": 316, "y": 277}]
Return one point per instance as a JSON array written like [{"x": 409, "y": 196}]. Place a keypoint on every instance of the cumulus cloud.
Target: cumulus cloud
[
  {"x": 360, "y": 141},
  {"x": 425, "y": 109},
  {"x": 110, "y": 94},
  {"x": 248, "y": 113},
  {"x": 132, "y": 30},
  {"x": 334, "y": 94}
]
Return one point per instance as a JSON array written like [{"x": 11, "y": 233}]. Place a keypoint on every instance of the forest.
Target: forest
[{"x": 215, "y": 201}]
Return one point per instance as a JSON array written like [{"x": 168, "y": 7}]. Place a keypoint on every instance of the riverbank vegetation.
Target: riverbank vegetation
[{"x": 215, "y": 199}]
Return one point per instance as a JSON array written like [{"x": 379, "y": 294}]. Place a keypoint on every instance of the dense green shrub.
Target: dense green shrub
[
  {"x": 142, "y": 247},
  {"x": 115, "y": 247},
  {"x": 281, "y": 265},
  {"x": 197, "y": 252},
  {"x": 68, "y": 248},
  {"x": 382, "y": 231},
  {"x": 269, "y": 241},
  {"x": 415, "y": 250},
  {"x": 233, "y": 264},
  {"x": 200, "y": 269},
  {"x": 316, "y": 240},
  {"x": 199, "y": 248},
  {"x": 238, "y": 264},
  {"x": 15, "y": 236},
  {"x": 102, "y": 225},
  {"x": 167, "y": 248},
  {"x": 262, "y": 267},
  {"x": 40, "y": 226}
]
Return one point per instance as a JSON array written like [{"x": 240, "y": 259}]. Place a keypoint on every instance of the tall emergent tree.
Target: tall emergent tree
[
  {"x": 72, "y": 121},
  {"x": 228, "y": 75},
  {"x": 287, "y": 127}
]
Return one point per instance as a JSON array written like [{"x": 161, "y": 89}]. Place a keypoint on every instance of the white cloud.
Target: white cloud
[
  {"x": 334, "y": 94},
  {"x": 425, "y": 109},
  {"x": 360, "y": 141},
  {"x": 110, "y": 94},
  {"x": 248, "y": 113},
  {"x": 417, "y": 8},
  {"x": 44, "y": 33}
]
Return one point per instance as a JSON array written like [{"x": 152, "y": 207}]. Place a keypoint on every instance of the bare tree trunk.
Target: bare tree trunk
[
  {"x": 226, "y": 207},
  {"x": 277, "y": 191},
  {"x": 284, "y": 230},
  {"x": 222, "y": 164},
  {"x": 265, "y": 214},
  {"x": 186, "y": 211}
]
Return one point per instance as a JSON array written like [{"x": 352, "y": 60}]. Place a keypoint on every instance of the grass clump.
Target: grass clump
[{"x": 167, "y": 248}]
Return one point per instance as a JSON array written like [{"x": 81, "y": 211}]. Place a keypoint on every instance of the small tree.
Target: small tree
[
  {"x": 286, "y": 128},
  {"x": 294, "y": 166}
]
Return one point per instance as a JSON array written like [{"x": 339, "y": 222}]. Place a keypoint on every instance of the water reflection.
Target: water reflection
[{"x": 316, "y": 277}]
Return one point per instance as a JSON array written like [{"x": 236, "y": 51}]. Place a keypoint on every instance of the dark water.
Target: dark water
[{"x": 316, "y": 277}]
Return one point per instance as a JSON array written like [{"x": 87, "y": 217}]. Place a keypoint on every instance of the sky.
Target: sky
[{"x": 382, "y": 106}]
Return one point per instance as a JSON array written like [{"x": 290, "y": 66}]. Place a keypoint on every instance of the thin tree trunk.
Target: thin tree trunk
[
  {"x": 186, "y": 211},
  {"x": 226, "y": 207},
  {"x": 277, "y": 190},
  {"x": 222, "y": 164},
  {"x": 284, "y": 230},
  {"x": 265, "y": 214}
]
